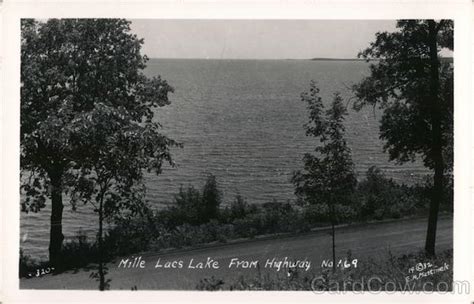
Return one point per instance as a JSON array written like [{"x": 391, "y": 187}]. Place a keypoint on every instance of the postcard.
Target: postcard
[{"x": 167, "y": 150}]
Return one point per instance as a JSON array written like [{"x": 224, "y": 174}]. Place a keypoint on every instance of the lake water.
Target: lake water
[{"x": 241, "y": 120}]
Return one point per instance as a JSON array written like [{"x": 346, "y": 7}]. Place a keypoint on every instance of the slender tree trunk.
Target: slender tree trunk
[
  {"x": 437, "y": 144},
  {"x": 333, "y": 247},
  {"x": 101, "y": 265},
  {"x": 56, "y": 236},
  {"x": 333, "y": 232}
]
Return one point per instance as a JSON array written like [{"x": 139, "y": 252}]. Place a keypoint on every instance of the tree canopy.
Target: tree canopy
[
  {"x": 399, "y": 83},
  {"x": 330, "y": 171}
]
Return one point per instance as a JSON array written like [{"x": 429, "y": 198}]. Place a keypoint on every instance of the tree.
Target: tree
[
  {"x": 111, "y": 178},
  {"x": 211, "y": 199},
  {"x": 194, "y": 207},
  {"x": 81, "y": 86},
  {"x": 328, "y": 176},
  {"x": 414, "y": 87}
]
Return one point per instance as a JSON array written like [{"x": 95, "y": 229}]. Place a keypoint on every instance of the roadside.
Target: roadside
[
  {"x": 283, "y": 235},
  {"x": 373, "y": 240}
]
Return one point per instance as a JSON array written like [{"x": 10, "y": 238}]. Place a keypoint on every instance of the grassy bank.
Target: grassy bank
[{"x": 381, "y": 273}]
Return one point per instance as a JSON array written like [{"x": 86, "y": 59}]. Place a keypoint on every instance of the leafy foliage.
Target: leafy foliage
[
  {"x": 87, "y": 116},
  {"x": 195, "y": 207},
  {"x": 82, "y": 90},
  {"x": 328, "y": 176},
  {"x": 399, "y": 83},
  {"x": 212, "y": 198},
  {"x": 379, "y": 197},
  {"x": 414, "y": 87},
  {"x": 239, "y": 208}
]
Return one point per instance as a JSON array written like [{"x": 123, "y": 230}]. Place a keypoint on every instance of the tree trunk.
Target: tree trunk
[
  {"x": 437, "y": 143},
  {"x": 101, "y": 266},
  {"x": 333, "y": 247},
  {"x": 56, "y": 236},
  {"x": 333, "y": 232}
]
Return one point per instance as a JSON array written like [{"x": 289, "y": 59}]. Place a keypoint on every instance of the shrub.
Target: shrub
[
  {"x": 282, "y": 217},
  {"x": 316, "y": 214},
  {"x": 77, "y": 253},
  {"x": 211, "y": 200},
  {"x": 187, "y": 204},
  {"x": 193, "y": 207},
  {"x": 238, "y": 209},
  {"x": 249, "y": 226},
  {"x": 130, "y": 235},
  {"x": 28, "y": 267},
  {"x": 379, "y": 197}
]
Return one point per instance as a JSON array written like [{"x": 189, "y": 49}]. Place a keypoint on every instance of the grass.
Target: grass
[{"x": 383, "y": 273}]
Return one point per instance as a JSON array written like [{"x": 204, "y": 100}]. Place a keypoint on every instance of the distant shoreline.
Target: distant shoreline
[
  {"x": 263, "y": 59},
  {"x": 337, "y": 59},
  {"x": 450, "y": 59}
]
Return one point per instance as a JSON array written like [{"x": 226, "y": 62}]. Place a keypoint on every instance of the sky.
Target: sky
[{"x": 257, "y": 39}]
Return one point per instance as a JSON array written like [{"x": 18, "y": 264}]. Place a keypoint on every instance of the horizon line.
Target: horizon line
[
  {"x": 308, "y": 59},
  {"x": 202, "y": 58}
]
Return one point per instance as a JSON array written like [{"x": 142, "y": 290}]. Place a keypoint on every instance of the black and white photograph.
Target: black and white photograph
[
  {"x": 253, "y": 155},
  {"x": 265, "y": 152}
]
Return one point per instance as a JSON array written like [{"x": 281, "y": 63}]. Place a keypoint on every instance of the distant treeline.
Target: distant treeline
[
  {"x": 337, "y": 59},
  {"x": 444, "y": 59}
]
